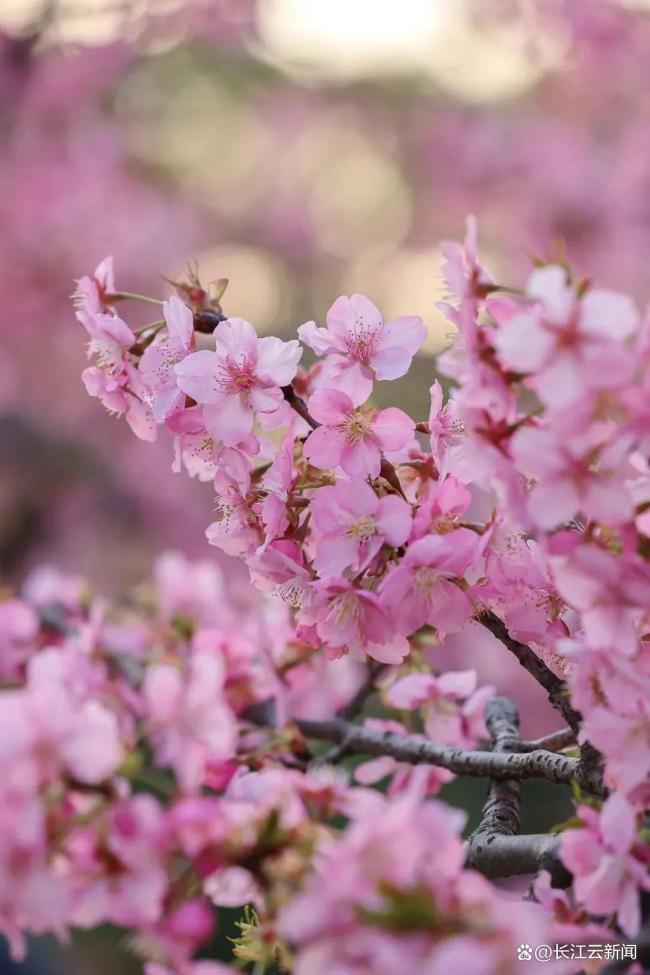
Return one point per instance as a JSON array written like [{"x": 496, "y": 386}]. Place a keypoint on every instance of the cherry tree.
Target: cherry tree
[{"x": 183, "y": 750}]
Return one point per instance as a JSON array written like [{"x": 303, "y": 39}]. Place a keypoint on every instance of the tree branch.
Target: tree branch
[
  {"x": 591, "y": 762},
  {"x": 357, "y": 701},
  {"x": 504, "y": 856},
  {"x": 416, "y": 749},
  {"x": 298, "y": 404},
  {"x": 494, "y": 848},
  {"x": 553, "y": 685},
  {"x": 554, "y": 742},
  {"x": 501, "y": 810}
]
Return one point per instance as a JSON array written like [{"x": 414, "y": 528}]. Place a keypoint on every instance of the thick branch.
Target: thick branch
[
  {"x": 503, "y": 856},
  {"x": 494, "y": 848},
  {"x": 501, "y": 810},
  {"x": 416, "y": 750}
]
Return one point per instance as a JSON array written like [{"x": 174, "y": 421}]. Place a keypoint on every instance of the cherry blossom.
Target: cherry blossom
[
  {"x": 361, "y": 347},
  {"x": 158, "y": 364},
  {"x": 353, "y": 524},
  {"x": 602, "y": 858},
  {"x": 241, "y": 376},
  {"x": 425, "y": 586},
  {"x": 451, "y": 704},
  {"x": 192, "y": 721},
  {"x": 571, "y": 344},
  {"x": 353, "y": 437}
]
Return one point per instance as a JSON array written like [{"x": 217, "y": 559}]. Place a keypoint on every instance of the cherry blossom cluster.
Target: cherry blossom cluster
[
  {"x": 138, "y": 788},
  {"x": 520, "y": 503}
]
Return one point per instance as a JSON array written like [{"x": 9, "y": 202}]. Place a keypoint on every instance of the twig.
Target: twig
[
  {"x": 298, "y": 404},
  {"x": 356, "y": 702},
  {"x": 591, "y": 762},
  {"x": 552, "y": 684},
  {"x": 554, "y": 742}
]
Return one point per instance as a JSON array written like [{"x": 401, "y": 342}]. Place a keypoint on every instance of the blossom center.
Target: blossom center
[
  {"x": 424, "y": 581},
  {"x": 345, "y": 609},
  {"x": 363, "y": 529},
  {"x": 357, "y": 425},
  {"x": 362, "y": 341},
  {"x": 236, "y": 377}
]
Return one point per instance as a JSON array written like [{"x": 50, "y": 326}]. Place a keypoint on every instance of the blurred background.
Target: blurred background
[{"x": 303, "y": 149}]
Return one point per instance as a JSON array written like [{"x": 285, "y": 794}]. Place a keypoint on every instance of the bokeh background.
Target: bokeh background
[{"x": 303, "y": 149}]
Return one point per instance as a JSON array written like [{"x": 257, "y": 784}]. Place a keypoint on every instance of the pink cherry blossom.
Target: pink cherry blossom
[
  {"x": 444, "y": 427},
  {"x": 158, "y": 364},
  {"x": 568, "y": 479},
  {"x": 451, "y": 703},
  {"x": 353, "y": 524},
  {"x": 91, "y": 293},
  {"x": 110, "y": 338},
  {"x": 605, "y": 588},
  {"x": 355, "y": 620},
  {"x": 202, "y": 456},
  {"x": 191, "y": 721},
  {"x": 442, "y": 509},
  {"x": 241, "y": 377},
  {"x": 601, "y": 856},
  {"x": 361, "y": 346},
  {"x": 570, "y": 344},
  {"x": 424, "y": 587},
  {"x": 463, "y": 274},
  {"x": 353, "y": 437}
]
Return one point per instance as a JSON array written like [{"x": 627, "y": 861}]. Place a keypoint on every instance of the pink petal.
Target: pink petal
[
  {"x": 393, "y": 428},
  {"x": 333, "y": 555},
  {"x": 230, "y": 421},
  {"x": 364, "y": 310},
  {"x": 340, "y": 320},
  {"x": 393, "y": 519},
  {"x": 391, "y": 652},
  {"x": 524, "y": 344},
  {"x": 551, "y": 504},
  {"x": 180, "y": 320},
  {"x": 236, "y": 337},
  {"x": 197, "y": 376},
  {"x": 277, "y": 361},
  {"x": 618, "y": 824},
  {"x": 608, "y": 313},
  {"x": 561, "y": 383},
  {"x": 450, "y": 608},
  {"x": 369, "y": 773},
  {"x": 411, "y": 691},
  {"x": 350, "y": 377},
  {"x": 113, "y": 327},
  {"x": 323, "y": 447},
  {"x": 265, "y": 400},
  {"x": 321, "y": 340},
  {"x": 398, "y": 343},
  {"x": 459, "y": 683},
  {"x": 549, "y": 285},
  {"x": 361, "y": 459},
  {"x": 330, "y": 406}
]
